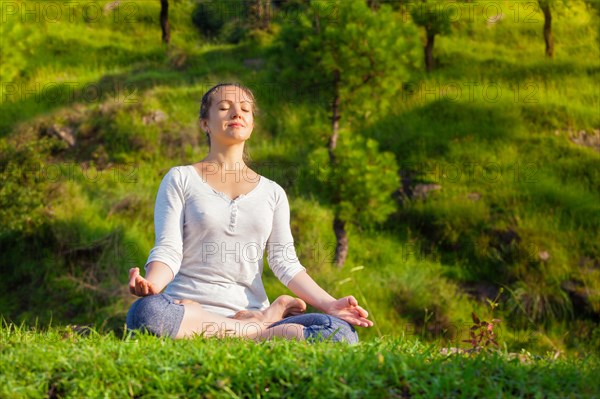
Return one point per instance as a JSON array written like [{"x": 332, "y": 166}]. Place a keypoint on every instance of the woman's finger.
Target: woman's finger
[
  {"x": 362, "y": 312},
  {"x": 353, "y": 318},
  {"x": 369, "y": 323},
  {"x": 133, "y": 273},
  {"x": 351, "y": 300},
  {"x": 135, "y": 287},
  {"x": 139, "y": 286},
  {"x": 358, "y": 322},
  {"x": 151, "y": 289},
  {"x": 363, "y": 322}
]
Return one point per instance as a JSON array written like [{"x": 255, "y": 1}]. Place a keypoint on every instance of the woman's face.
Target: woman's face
[{"x": 230, "y": 116}]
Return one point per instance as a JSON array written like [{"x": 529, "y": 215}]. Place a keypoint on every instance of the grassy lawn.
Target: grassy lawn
[{"x": 59, "y": 363}]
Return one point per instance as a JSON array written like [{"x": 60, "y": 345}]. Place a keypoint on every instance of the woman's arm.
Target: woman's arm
[
  {"x": 307, "y": 289},
  {"x": 345, "y": 308},
  {"x": 283, "y": 260},
  {"x": 158, "y": 275},
  {"x": 166, "y": 255}
]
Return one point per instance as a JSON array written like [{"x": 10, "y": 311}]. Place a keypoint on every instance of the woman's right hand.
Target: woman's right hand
[{"x": 138, "y": 285}]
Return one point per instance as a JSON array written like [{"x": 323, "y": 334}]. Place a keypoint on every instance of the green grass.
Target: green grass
[{"x": 59, "y": 362}]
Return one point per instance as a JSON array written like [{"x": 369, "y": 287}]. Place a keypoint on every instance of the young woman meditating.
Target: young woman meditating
[{"x": 213, "y": 222}]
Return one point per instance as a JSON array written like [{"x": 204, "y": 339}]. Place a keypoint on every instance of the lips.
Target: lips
[{"x": 235, "y": 125}]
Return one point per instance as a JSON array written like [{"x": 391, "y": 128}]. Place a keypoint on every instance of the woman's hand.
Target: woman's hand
[
  {"x": 347, "y": 309},
  {"x": 138, "y": 285}
]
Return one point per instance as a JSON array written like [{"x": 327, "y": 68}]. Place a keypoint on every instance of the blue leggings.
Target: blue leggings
[{"x": 159, "y": 315}]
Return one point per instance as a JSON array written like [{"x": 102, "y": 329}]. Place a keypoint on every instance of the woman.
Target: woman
[{"x": 213, "y": 221}]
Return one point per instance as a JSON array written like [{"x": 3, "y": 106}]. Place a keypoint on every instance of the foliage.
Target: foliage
[
  {"x": 433, "y": 15},
  {"x": 227, "y": 22},
  {"x": 539, "y": 302},
  {"x": 351, "y": 55},
  {"x": 363, "y": 177},
  {"x": 25, "y": 181},
  {"x": 481, "y": 334},
  {"x": 370, "y": 51},
  {"x": 233, "y": 21}
]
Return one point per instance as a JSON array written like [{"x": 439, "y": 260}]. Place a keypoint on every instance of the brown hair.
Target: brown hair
[{"x": 207, "y": 102}]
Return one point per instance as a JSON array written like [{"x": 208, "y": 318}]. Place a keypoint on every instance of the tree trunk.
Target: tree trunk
[
  {"x": 266, "y": 20},
  {"x": 341, "y": 248},
  {"x": 429, "y": 51},
  {"x": 164, "y": 21},
  {"x": 258, "y": 11},
  {"x": 373, "y": 4},
  {"x": 335, "y": 116},
  {"x": 545, "y": 6},
  {"x": 339, "y": 226}
]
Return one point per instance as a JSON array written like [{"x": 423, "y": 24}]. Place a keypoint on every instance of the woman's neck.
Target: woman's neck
[{"x": 226, "y": 159}]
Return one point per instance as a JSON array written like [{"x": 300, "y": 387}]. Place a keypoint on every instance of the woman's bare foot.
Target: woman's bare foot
[
  {"x": 290, "y": 306},
  {"x": 247, "y": 314},
  {"x": 281, "y": 307}
]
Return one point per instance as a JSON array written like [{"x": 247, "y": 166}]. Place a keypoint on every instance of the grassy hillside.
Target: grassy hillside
[{"x": 496, "y": 126}]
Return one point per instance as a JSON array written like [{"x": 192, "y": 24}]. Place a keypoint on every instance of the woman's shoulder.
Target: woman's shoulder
[
  {"x": 271, "y": 184},
  {"x": 176, "y": 175},
  {"x": 273, "y": 190},
  {"x": 174, "y": 172}
]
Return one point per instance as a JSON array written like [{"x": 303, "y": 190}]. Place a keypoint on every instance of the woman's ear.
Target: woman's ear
[{"x": 203, "y": 125}]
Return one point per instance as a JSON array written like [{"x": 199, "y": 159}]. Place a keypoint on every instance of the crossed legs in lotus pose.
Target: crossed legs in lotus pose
[{"x": 250, "y": 324}]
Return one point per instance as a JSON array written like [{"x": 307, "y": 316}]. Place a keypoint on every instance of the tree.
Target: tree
[
  {"x": 357, "y": 57},
  {"x": 261, "y": 13},
  {"x": 548, "y": 38},
  {"x": 164, "y": 21},
  {"x": 359, "y": 181},
  {"x": 232, "y": 21},
  {"x": 546, "y": 7},
  {"x": 435, "y": 17}
]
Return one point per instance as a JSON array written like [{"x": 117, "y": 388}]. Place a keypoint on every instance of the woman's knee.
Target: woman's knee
[
  {"x": 157, "y": 314},
  {"x": 320, "y": 327},
  {"x": 332, "y": 329}
]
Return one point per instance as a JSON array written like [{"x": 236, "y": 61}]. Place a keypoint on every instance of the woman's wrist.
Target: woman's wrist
[
  {"x": 159, "y": 274},
  {"x": 308, "y": 290},
  {"x": 328, "y": 306}
]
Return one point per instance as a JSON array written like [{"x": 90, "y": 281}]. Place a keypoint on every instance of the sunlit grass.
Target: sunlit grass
[{"x": 81, "y": 362}]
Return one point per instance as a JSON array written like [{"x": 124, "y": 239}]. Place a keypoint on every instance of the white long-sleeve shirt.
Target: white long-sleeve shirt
[{"x": 214, "y": 245}]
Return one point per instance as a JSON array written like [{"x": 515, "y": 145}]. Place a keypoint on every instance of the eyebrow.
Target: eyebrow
[{"x": 229, "y": 101}]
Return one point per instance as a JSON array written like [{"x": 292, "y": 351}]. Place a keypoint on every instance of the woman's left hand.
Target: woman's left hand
[{"x": 347, "y": 309}]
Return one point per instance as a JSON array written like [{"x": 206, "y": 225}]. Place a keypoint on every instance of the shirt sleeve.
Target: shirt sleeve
[
  {"x": 281, "y": 253},
  {"x": 168, "y": 222}
]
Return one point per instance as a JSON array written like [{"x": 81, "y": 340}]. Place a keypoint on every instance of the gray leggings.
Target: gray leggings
[{"x": 159, "y": 315}]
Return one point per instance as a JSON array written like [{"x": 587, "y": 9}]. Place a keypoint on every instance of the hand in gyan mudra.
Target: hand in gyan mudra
[{"x": 138, "y": 285}]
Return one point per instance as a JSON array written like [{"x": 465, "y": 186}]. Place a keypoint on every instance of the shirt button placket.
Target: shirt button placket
[{"x": 233, "y": 217}]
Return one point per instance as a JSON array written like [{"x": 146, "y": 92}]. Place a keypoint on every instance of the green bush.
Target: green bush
[{"x": 222, "y": 21}]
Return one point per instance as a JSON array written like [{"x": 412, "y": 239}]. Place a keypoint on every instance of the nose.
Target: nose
[{"x": 236, "y": 111}]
